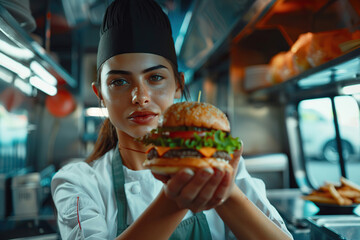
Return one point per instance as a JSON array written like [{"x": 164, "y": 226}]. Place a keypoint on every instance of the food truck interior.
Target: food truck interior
[{"x": 286, "y": 73}]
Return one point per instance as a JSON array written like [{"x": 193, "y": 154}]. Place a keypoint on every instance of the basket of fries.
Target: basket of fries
[{"x": 333, "y": 198}]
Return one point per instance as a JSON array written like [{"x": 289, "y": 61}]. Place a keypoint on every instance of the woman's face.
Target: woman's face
[{"x": 136, "y": 88}]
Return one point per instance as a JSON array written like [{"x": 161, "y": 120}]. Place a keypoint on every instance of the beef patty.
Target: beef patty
[{"x": 173, "y": 153}]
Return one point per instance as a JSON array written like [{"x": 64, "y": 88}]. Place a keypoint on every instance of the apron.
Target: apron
[{"x": 195, "y": 227}]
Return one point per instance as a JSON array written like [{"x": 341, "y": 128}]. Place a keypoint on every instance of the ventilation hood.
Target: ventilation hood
[{"x": 212, "y": 24}]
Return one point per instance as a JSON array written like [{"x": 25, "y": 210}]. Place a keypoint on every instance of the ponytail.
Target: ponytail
[{"x": 107, "y": 140}]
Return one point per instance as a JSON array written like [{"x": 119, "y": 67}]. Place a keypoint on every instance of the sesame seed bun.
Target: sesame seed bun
[{"x": 195, "y": 114}]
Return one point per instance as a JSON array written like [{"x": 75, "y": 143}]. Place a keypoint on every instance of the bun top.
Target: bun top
[{"x": 195, "y": 114}]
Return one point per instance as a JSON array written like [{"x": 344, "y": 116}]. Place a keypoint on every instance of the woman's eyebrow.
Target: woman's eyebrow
[
  {"x": 124, "y": 72},
  {"x": 118, "y": 72},
  {"x": 153, "y": 68}
]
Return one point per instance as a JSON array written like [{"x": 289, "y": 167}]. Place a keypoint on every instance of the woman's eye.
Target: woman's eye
[
  {"x": 118, "y": 82},
  {"x": 156, "y": 78}
]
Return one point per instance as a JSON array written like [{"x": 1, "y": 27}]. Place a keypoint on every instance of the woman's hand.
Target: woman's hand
[{"x": 201, "y": 190}]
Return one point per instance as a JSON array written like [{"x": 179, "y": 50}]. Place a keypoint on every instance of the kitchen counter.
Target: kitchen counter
[
  {"x": 306, "y": 221},
  {"x": 42, "y": 226},
  {"x": 335, "y": 227}
]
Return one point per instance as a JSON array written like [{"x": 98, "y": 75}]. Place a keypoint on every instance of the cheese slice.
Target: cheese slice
[
  {"x": 162, "y": 150},
  {"x": 207, "y": 151},
  {"x": 149, "y": 149}
]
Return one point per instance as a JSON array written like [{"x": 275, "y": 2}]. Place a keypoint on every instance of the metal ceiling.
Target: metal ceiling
[{"x": 69, "y": 16}]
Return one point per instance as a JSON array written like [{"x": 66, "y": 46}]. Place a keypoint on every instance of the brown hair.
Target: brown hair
[{"x": 107, "y": 137}]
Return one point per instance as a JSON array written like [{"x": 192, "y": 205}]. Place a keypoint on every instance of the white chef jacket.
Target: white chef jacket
[{"x": 85, "y": 200}]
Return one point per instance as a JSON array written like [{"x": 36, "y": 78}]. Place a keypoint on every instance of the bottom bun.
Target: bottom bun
[{"x": 166, "y": 166}]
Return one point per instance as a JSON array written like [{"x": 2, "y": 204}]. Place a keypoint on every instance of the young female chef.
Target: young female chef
[{"x": 111, "y": 196}]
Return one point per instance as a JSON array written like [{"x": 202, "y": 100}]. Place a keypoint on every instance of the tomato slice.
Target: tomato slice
[
  {"x": 154, "y": 135},
  {"x": 184, "y": 134},
  {"x": 178, "y": 134}
]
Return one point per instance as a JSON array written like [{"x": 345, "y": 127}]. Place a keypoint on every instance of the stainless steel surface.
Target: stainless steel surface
[
  {"x": 294, "y": 211},
  {"x": 53, "y": 236},
  {"x": 345, "y": 226},
  {"x": 291, "y": 206},
  {"x": 20, "y": 9},
  {"x": 302, "y": 216},
  {"x": 40, "y": 227},
  {"x": 211, "y": 25}
]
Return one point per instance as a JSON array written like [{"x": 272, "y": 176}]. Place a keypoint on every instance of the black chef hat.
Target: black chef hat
[{"x": 135, "y": 26}]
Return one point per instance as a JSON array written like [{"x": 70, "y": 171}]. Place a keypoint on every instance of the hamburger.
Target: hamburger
[{"x": 192, "y": 135}]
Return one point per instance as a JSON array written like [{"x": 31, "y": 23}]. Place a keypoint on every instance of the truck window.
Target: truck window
[{"x": 318, "y": 136}]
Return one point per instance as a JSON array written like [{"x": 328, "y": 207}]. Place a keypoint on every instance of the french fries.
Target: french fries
[
  {"x": 347, "y": 193},
  {"x": 350, "y": 184}
]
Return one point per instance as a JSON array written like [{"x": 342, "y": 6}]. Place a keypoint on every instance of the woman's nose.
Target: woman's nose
[{"x": 140, "y": 95}]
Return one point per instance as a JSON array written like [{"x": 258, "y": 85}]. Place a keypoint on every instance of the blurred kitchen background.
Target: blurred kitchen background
[{"x": 284, "y": 71}]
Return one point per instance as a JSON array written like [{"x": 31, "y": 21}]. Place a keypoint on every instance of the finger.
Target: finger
[
  {"x": 192, "y": 189},
  {"x": 220, "y": 193},
  {"x": 176, "y": 183},
  {"x": 208, "y": 191},
  {"x": 234, "y": 162},
  {"x": 161, "y": 177},
  {"x": 237, "y": 155}
]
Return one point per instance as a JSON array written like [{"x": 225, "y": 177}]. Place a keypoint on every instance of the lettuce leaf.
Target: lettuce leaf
[{"x": 214, "y": 138}]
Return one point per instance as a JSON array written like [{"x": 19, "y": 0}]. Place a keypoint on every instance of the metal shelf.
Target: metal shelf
[{"x": 324, "y": 80}]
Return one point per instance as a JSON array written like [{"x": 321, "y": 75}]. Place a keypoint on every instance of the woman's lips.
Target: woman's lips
[{"x": 144, "y": 117}]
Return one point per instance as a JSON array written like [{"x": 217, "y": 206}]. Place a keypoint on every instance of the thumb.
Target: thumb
[
  {"x": 236, "y": 156},
  {"x": 163, "y": 178}
]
